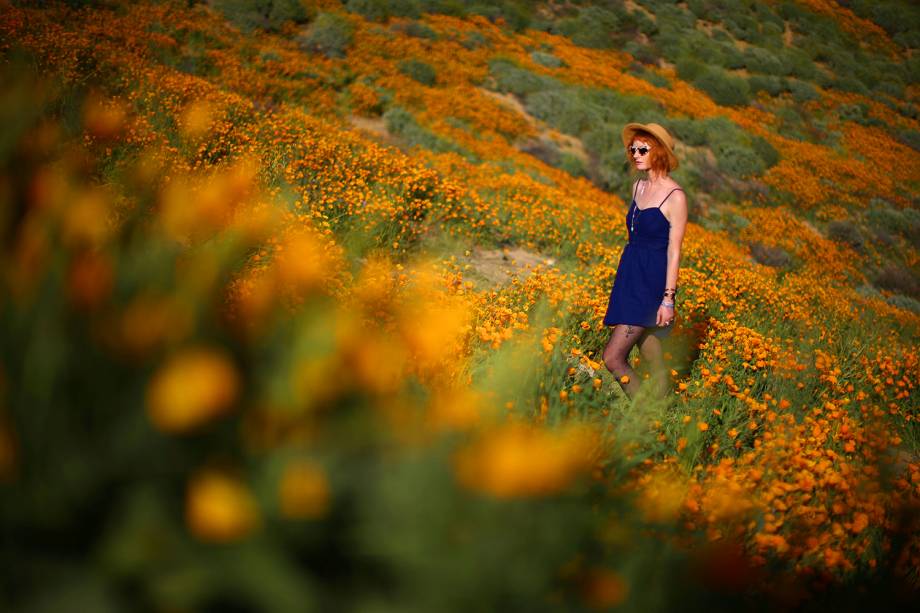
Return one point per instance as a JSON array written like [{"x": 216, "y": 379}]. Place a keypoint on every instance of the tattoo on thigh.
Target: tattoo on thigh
[{"x": 628, "y": 330}]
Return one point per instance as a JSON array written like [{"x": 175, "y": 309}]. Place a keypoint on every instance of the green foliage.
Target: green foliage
[
  {"x": 563, "y": 111},
  {"x": 905, "y": 222},
  {"x": 775, "y": 257},
  {"x": 723, "y": 87},
  {"x": 910, "y": 137},
  {"x": 329, "y": 34},
  {"x": 766, "y": 83},
  {"x": 402, "y": 123},
  {"x": 740, "y": 161},
  {"x": 421, "y": 71},
  {"x": 846, "y": 232},
  {"x": 381, "y": 10},
  {"x": 802, "y": 91},
  {"x": 517, "y": 14},
  {"x": 546, "y": 59},
  {"x": 509, "y": 78},
  {"x": 739, "y": 154},
  {"x": 475, "y": 40},
  {"x": 898, "y": 279},
  {"x": 593, "y": 27},
  {"x": 757, "y": 59},
  {"x": 415, "y": 29},
  {"x": 265, "y": 14},
  {"x": 904, "y": 302}
]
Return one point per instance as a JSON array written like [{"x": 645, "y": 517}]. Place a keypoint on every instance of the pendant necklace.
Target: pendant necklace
[{"x": 632, "y": 225}]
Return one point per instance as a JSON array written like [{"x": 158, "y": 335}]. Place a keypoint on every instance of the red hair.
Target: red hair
[{"x": 658, "y": 157}]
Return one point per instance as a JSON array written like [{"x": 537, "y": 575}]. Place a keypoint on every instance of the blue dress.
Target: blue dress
[{"x": 639, "y": 284}]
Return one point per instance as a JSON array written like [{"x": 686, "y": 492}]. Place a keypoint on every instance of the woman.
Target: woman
[{"x": 641, "y": 308}]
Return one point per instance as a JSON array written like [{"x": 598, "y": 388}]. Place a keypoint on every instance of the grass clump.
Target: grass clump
[
  {"x": 249, "y": 15},
  {"x": 329, "y": 34},
  {"x": 421, "y": 71}
]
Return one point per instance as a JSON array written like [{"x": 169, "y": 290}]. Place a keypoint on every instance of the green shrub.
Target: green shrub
[
  {"x": 546, "y": 59},
  {"x": 519, "y": 81},
  {"x": 517, "y": 14},
  {"x": 852, "y": 112},
  {"x": 689, "y": 68},
  {"x": 765, "y": 150},
  {"x": 572, "y": 164},
  {"x": 798, "y": 64},
  {"x": 265, "y": 14},
  {"x": 455, "y": 8},
  {"x": 329, "y": 34},
  {"x": 402, "y": 123},
  {"x": 802, "y": 91},
  {"x": 724, "y": 88},
  {"x": 898, "y": 280},
  {"x": 381, "y": 10},
  {"x": 767, "y": 83},
  {"x": 904, "y": 302},
  {"x": 415, "y": 29},
  {"x": 776, "y": 257},
  {"x": 421, "y": 71},
  {"x": 910, "y": 137},
  {"x": 593, "y": 27},
  {"x": 562, "y": 110},
  {"x": 740, "y": 161},
  {"x": 891, "y": 88},
  {"x": 757, "y": 59},
  {"x": 475, "y": 40},
  {"x": 846, "y": 232},
  {"x": 642, "y": 53},
  {"x": 850, "y": 84}
]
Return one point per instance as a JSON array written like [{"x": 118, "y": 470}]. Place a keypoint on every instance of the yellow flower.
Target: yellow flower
[
  {"x": 303, "y": 491},
  {"x": 192, "y": 388},
  {"x": 219, "y": 508}
]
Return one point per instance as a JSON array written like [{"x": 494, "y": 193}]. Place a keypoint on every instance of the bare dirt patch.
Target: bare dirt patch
[
  {"x": 373, "y": 125},
  {"x": 499, "y": 266}
]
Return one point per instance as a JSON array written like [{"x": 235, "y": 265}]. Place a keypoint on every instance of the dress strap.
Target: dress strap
[
  {"x": 676, "y": 189},
  {"x": 636, "y": 189}
]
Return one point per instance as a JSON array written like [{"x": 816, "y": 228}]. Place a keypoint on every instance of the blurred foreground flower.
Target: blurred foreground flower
[
  {"x": 304, "y": 491},
  {"x": 193, "y": 388},
  {"x": 220, "y": 508},
  {"x": 522, "y": 460}
]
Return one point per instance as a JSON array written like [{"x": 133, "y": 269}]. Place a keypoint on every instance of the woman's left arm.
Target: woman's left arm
[{"x": 677, "y": 216}]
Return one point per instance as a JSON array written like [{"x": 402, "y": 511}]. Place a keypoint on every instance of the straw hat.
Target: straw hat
[{"x": 663, "y": 136}]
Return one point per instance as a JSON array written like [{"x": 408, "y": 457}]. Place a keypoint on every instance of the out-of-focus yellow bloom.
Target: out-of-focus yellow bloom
[
  {"x": 7, "y": 447},
  {"x": 103, "y": 119},
  {"x": 85, "y": 220},
  {"x": 455, "y": 409},
  {"x": 521, "y": 460},
  {"x": 196, "y": 119},
  {"x": 89, "y": 280},
  {"x": 150, "y": 321},
  {"x": 661, "y": 495},
  {"x": 220, "y": 508},
  {"x": 604, "y": 588},
  {"x": 192, "y": 388},
  {"x": 304, "y": 491},
  {"x": 434, "y": 331}
]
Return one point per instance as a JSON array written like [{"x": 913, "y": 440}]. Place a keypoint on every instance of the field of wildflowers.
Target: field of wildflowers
[{"x": 251, "y": 357}]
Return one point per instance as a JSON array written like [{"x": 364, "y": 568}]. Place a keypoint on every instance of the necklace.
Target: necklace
[{"x": 632, "y": 224}]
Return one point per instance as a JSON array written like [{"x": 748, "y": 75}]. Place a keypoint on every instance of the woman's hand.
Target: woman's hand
[{"x": 665, "y": 316}]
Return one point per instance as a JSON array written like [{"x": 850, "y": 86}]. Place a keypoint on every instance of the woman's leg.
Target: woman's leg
[
  {"x": 653, "y": 355},
  {"x": 616, "y": 355}
]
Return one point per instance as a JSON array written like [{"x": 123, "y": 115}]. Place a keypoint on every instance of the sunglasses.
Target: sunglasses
[{"x": 641, "y": 150}]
